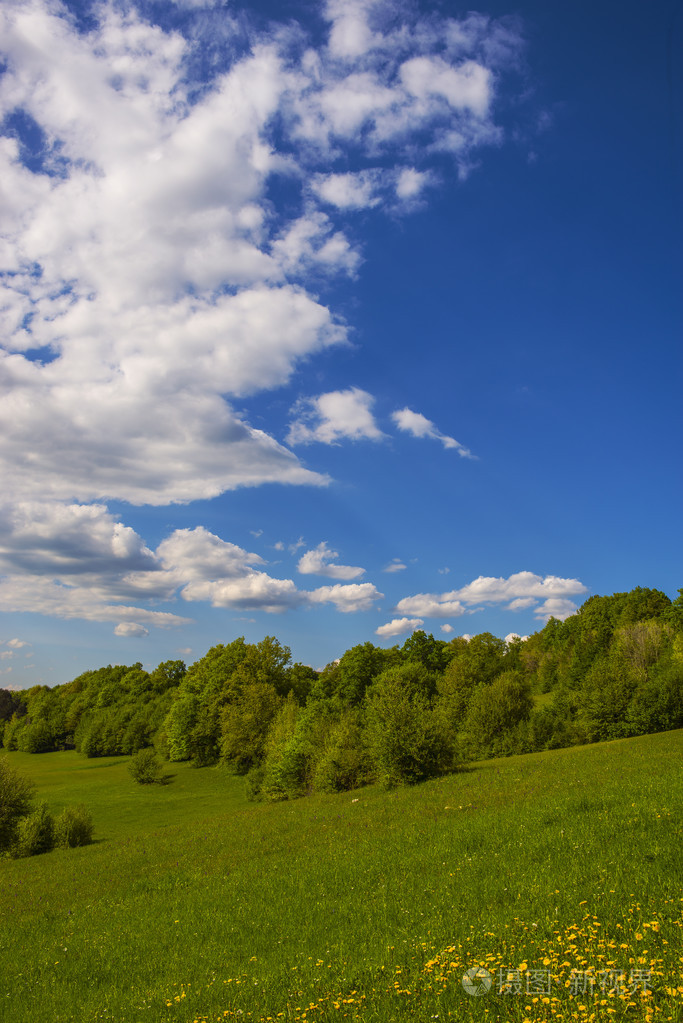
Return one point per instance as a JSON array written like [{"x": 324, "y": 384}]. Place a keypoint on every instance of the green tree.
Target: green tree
[
  {"x": 345, "y": 762},
  {"x": 35, "y": 833},
  {"x": 73, "y": 827},
  {"x": 495, "y": 712},
  {"x": 245, "y": 724},
  {"x": 433, "y": 654},
  {"x": 15, "y": 803},
  {"x": 403, "y": 732},
  {"x": 284, "y": 765},
  {"x": 145, "y": 768}
]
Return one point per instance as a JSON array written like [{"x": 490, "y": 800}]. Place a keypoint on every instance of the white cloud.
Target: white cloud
[
  {"x": 411, "y": 183},
  {"x": 88, "y": 603},
  {"x": 347, "y": 599},
  {"x": 350, "y": 35},
  {"x": 490, "y": 589},
  {"x": 555, "y": 607},
  {"x": 348, "y": 191},
  {"x": 522, "y": 586},
  {"x": 310, "y": 243},
  {"x": 333, "y": 416},
  {"x": 446, "y": 628},
  {"x": 130, "y": 629},
  {"x": 521, "y": 603},
  {"x": 419, "y": 426},
  {"x": 253, "y": 591},
  {"x": 468, "y": 86},
  {"x": 193, "y": 565},
  {"x": 399, "y": 626},
  {"x": 62, "y": 540},
  {"x": 317, "y": 562},
  {"x": 511, "y": 636},
  {"x": 431, "y": 605},
  {"x": 17, "y": 644},
  {"x": 396, "y": 565},
  {"x": 144, "y": 251}
]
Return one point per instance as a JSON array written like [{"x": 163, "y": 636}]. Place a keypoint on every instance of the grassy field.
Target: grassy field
[{"x": 555, "y": 872}]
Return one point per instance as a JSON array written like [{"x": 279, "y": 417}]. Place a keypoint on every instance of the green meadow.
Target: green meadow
[{"x": 560, "y": 873}]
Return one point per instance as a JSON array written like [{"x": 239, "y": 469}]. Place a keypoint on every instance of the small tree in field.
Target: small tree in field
[
  {"x": 73, "y": 827},
  {"x": 35, "y": 833},
  {"x": 146, "y": 768},
  {"x": 15, "y": 803}
]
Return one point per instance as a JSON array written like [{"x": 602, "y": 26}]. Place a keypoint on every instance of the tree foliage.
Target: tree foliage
[
  {"x": 15, "y": 803},
  {"x": 402, "y": 714}
]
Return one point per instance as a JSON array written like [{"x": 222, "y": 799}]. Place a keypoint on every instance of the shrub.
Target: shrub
[
  {"x": 254, "y": 783},
  {"x": 146, "y": 768},
  {"x": 73, "y": 827},
  {"x": 15, "y": 803},
  {"x": 35, "y": 833}
]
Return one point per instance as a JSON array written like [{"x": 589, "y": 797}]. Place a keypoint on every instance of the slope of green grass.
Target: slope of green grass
[{"x": 196, "y": 905}]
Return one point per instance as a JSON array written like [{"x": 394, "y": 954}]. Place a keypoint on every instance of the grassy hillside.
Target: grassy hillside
[{"x": 196, "y": 905}]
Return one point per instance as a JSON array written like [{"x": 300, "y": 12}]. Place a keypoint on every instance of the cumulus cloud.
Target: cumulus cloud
[
  {"x": 334, "y": 416},
  {"x": 318, "y": 562},
  {"x": 555, "y": 607},
  {"x": 521, "y": 586},
  {"x": 418, "y": 425},
  {"x": 399, "y": 626},
  {"x": 17, "y": 644},
  {"x": 411, "y": 183},
  {"x": 347, "y": 599},
  {"x": 432, "y": 605},
  {"x": 66, "y": 540},
  {"x": 200, "y": 566},
  {"x": 446, "y": 628},
  {"x": 150, "y": 279},
  {"x": 87, "y": 603},
  {"x": 130, "y": 629},
  {"x": 192, "y": 565},
  {"x": 348, "y": 191},
  {"x": 311, "y": 242},
  {"x": 140, "y": 249},
  {"x": 490, "y": 589},
  {"x": 521, "y": 603},
  {"x": 395, "y": 565}
]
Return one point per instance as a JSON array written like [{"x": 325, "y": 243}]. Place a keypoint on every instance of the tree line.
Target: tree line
[{"x": 397, "y": 715}]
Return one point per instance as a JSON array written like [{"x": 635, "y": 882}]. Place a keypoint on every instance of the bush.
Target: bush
[
  {"x": 146, "y": 768},
  {"x": 73, "y": 827},
  {"x": 15, "y": 803},
  {"x": 254, "y": 783},
  {"x": 35, "y": 833}
]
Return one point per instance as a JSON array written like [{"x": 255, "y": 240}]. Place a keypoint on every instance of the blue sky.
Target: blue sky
[{"x": 331, "y": 321}]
